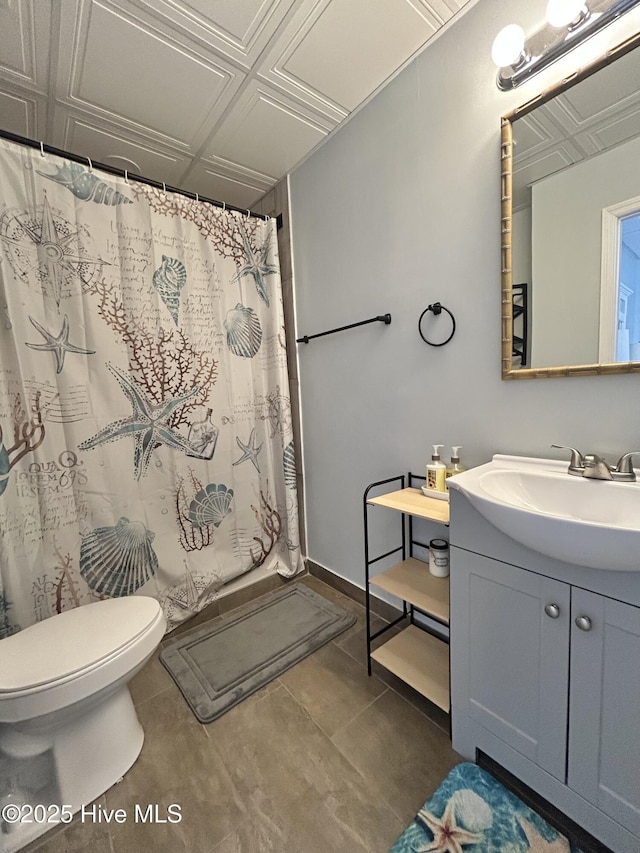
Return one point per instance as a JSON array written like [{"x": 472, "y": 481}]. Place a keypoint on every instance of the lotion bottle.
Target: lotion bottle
[
  {"x": 454, "y": 467},
  {"x": 436, "y": 471}
]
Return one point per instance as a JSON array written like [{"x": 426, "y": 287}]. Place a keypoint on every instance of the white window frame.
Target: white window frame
[{"x": 609, "y": 275}]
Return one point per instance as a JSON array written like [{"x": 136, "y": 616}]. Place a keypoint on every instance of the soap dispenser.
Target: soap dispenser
[
  {"x": 436, "y": 471},
  {"x": 454, "y": 467}
]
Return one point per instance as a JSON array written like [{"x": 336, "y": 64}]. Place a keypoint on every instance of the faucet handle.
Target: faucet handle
[
  {"x": 624, "y": 468},
  {"x": 576, "y": 465}
]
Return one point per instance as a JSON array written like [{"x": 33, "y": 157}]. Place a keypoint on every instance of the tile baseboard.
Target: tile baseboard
[{"x": 381, "y": 608}]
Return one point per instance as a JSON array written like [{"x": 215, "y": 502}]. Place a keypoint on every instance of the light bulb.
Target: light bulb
[
  {"x": 508, "y": 46},
  {"x": 561, "y": 13}
]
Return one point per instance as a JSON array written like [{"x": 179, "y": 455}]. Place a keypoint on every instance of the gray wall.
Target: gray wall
[
  {"x": 399, "y": 209},
  {"x": 567, "y": 239}
]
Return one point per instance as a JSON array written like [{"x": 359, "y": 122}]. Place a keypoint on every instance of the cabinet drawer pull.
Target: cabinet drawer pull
[
  {"x": 583, "y": 622},
  {"x": 552, "y": 610}
]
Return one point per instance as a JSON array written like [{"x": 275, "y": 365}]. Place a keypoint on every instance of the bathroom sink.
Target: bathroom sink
[{"x": 594, "y": 523}]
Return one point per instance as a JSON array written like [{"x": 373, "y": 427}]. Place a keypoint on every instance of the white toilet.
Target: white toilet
[{"x": 64, "y": 699}]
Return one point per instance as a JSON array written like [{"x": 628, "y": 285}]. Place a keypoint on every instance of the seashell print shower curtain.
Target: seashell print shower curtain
[{"x": 145, "y": 423}]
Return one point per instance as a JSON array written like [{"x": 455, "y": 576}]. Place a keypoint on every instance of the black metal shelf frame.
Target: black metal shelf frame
[
  {"x": 520, "y": 312},
  {"x": 408, "y": 610}
]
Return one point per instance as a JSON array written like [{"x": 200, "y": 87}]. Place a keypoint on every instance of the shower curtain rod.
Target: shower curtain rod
[{"x": 121, "y": 173}]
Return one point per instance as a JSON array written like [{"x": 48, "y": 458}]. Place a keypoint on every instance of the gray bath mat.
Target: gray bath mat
[{"x": 219, "y": 664}]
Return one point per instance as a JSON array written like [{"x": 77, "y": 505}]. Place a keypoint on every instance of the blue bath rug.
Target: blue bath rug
[{"x": 472, "y": 813}]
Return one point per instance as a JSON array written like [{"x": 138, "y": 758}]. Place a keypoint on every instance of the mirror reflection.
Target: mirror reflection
[{"x": 575, "y": 231}]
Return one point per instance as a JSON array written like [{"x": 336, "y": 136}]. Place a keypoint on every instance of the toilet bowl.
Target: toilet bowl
[{"x": 64, "y": 693}]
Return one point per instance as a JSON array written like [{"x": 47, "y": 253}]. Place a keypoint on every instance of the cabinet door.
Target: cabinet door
[
  {"x": 604, "y": 731},
  {"x": 509, "y": 659}
]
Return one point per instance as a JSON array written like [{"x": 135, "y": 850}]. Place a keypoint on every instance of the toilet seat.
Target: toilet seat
[
  {"x": 74, "y": 643},
  {"x": 67, "y": 716}
]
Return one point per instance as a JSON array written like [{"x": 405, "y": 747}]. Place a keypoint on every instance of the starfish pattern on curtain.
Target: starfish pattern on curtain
[{"x": 135, "y": 486}]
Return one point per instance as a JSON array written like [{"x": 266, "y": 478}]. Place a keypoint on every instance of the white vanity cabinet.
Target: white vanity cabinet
[
  {"x": 545, "y": 675},
  {"x": 604, "y": 706},
  {"x": 510, "y": 669}
]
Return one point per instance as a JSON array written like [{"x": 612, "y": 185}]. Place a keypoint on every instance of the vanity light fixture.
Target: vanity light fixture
[
  {"x": 567, "y": 13},
  {"x": 508, "y": 47},
  {"x": 569, "y": 22}
]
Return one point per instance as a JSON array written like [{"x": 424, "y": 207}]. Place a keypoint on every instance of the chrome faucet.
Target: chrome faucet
[{"x": 594, "y": 467}]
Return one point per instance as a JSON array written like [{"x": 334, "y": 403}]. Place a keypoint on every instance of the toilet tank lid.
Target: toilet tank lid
[{"x": 74, "y": 640}]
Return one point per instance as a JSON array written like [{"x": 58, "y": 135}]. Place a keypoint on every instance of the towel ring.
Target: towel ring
[{"x": 437, "y": 308}]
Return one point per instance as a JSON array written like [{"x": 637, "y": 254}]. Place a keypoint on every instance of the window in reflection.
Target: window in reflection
[
  {"x": 628, "y": 325},
  {"x": 619, "y": 339}
]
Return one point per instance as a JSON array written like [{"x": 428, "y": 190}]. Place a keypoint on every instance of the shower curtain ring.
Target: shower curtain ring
[
  {"x": 42, "y": 154},
  {"x": 224, "y": 206},
  {"x": 90, "y": 165},
  {"x": 197, "y": 197},
  {"x": 126, "y": 176},
  {"x": 164, "y": 187}
]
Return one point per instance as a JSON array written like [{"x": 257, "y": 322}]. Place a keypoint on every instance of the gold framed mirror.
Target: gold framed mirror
[{"x": 570, "y": 224}]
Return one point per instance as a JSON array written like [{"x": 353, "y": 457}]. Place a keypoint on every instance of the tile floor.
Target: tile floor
[{"x": 321, "y": 760}]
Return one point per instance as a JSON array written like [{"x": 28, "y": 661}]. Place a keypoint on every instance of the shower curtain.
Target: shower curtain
[{"x": 145, "y": 422}]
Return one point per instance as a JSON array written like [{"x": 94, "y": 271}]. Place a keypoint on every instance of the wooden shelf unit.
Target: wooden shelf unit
[
  {"x": 414, "y": 502},
  {"x": 417, "y": 656},
  {"x": 412, "y": 582},
  {"x": 420, "y": 660}
]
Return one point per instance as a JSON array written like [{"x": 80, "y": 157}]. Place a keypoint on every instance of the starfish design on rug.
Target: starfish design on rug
[
  {"x": 257, "y": 267},
  {"x": 448, "y": 837},
  {"x": 537, "y": 844},
  {"x": 148, "y": 423},
  {"x": 249, "y": 450},
  {"x": 57, "y": 344}
]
